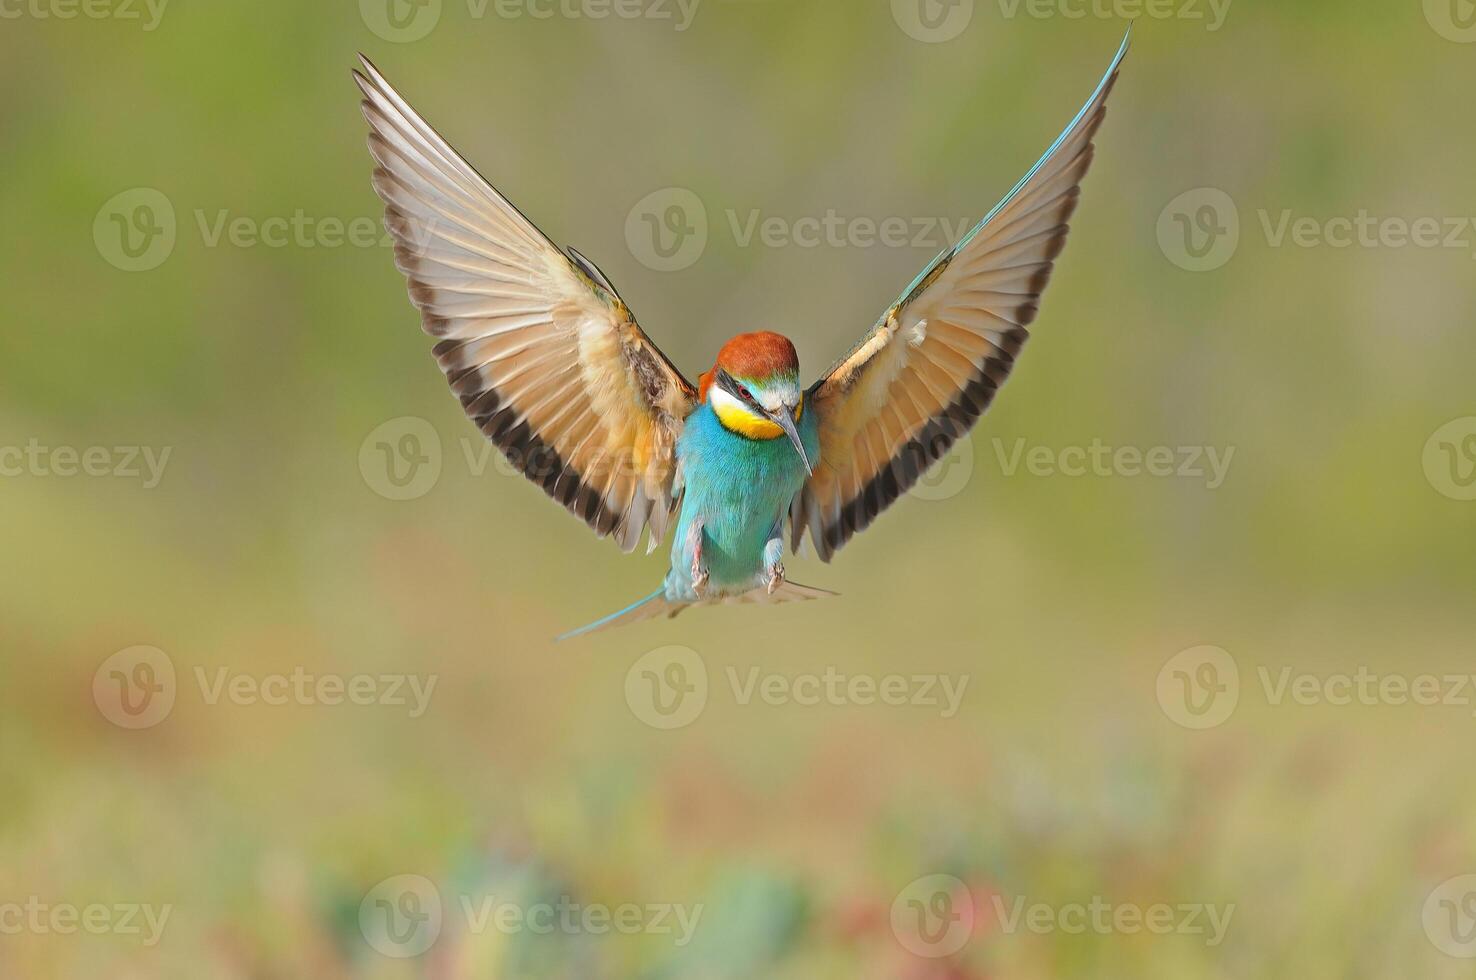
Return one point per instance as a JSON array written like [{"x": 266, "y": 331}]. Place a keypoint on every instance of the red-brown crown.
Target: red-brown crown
[{"x": 756, "y": 356}]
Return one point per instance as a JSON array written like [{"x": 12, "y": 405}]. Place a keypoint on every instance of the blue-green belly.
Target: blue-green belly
[{"x": 740, "y": 489}]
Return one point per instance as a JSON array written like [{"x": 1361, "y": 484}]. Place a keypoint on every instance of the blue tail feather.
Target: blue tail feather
[{"x": 615, "y": 617}]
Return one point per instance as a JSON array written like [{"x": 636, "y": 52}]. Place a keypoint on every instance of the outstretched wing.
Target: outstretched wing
[
  {"x": 931, "y": 366},
  {"x": 543, "y": 354}
]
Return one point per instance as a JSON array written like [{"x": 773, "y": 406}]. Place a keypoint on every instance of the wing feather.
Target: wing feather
[
  {"x": 542, "y": 353},
  {"x": 927, "y": 371}
]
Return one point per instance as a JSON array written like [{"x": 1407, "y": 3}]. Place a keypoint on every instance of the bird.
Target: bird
[{"x": 548, "y": 361}]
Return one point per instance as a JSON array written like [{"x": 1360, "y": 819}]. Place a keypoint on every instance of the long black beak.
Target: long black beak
[{"x": 784, "y": 418}]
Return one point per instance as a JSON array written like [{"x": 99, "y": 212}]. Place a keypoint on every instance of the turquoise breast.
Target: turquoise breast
[{"x": 740, "y": 489}]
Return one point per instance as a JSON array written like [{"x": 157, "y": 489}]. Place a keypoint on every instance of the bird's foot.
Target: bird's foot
[
  {"x": 699, "y": 567},
  {"x": 773, "y": 577}
]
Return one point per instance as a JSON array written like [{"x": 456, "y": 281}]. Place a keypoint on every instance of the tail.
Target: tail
[{"x": 656, "y": 604}]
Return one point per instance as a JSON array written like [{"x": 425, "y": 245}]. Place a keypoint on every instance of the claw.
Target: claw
[
  {"x": 774, "y": 577},
  {"x": 699, "y": 579}
]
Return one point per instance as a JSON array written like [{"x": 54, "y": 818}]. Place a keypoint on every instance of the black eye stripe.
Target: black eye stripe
[{"x": 737, "y": 388}]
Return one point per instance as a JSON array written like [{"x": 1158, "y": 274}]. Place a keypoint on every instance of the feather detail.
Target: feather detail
[
  {"x": 921, "y": 378},
  {"x": 541, "y": 351}
]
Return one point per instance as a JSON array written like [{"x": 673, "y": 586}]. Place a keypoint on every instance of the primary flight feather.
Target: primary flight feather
[{"x": 550, "y": 364}]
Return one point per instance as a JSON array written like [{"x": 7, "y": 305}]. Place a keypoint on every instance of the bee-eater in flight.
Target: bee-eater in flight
[{"x": 550, "y": 364}]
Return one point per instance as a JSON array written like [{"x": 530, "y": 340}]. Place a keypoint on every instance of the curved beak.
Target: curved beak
[{"x": 784, "y": 418}]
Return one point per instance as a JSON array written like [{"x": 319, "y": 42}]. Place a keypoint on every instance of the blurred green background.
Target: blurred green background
[{"x": 809, "y": 836}]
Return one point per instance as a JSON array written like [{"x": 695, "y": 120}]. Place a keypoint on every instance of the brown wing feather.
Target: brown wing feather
[
  {"x": 931, "y": 366},
  {"x": 544, "y": 356}
]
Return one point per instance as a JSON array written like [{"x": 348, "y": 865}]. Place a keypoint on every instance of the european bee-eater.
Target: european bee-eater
[{"x": 551, "y": 366}]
